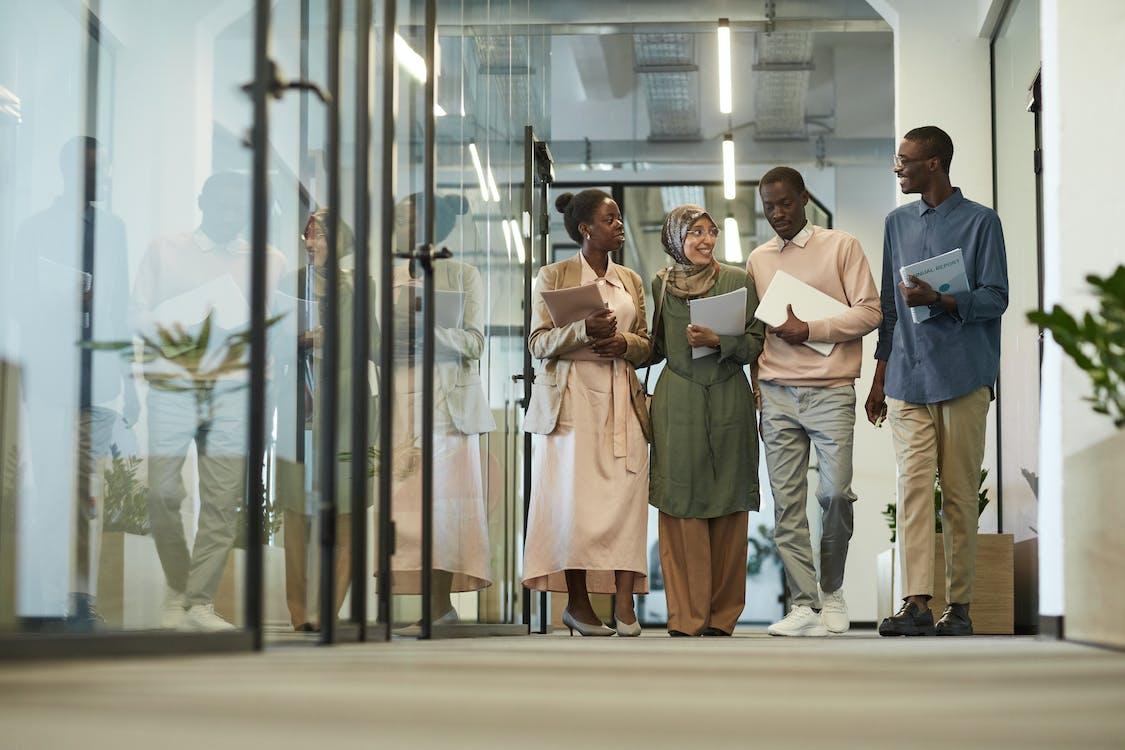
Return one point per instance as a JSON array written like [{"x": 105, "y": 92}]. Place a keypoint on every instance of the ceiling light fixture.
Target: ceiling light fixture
[
  {"x": 733, "y": 243},
  {"x": 728, "y": 167},
  {"x": 725, "y": 95}
]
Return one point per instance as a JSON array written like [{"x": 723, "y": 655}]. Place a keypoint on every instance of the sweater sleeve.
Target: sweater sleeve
[{"x": 863, "y": 314}]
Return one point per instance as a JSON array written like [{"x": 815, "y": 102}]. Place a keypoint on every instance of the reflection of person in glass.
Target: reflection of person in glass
[
  {"x": 76, "y": 281},
  {"x": 308, "y": 287},
  {"x": 461, "y": 414},
  {"x": 185, "y": 280},
  {"x": 589, "y": 513}
]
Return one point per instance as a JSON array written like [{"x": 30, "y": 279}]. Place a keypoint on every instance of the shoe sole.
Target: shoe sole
[
  {"x": 808, "y": 633},
  {"x": 908, "y": 634}
]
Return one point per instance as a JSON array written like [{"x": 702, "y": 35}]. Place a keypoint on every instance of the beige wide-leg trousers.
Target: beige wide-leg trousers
[
  {"x": 947, "y": 438},
  {"x": 704, "y": 566}
]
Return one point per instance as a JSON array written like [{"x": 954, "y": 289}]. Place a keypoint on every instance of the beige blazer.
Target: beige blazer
[{"x": 547, "y": 343}]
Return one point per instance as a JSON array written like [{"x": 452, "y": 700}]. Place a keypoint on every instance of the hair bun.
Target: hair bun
[{"x": 563, "y": 201}]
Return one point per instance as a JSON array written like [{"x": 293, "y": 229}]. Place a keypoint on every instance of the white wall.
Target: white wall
[{"x": 1082, "y": 560}]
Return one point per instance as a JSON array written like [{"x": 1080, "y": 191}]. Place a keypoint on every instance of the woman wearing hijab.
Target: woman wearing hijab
[
  {"x": 588, "y": 519},
  {"x": 704, "y": 477}
]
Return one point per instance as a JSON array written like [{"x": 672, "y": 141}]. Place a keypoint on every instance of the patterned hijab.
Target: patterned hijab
[{"x": 685, "y": 279}]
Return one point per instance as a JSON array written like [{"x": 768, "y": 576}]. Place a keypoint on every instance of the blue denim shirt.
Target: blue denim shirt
[{"x": 948, "y": 355}]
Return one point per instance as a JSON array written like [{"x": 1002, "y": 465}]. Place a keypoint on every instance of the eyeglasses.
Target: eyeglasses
[
  {"x": 699, "y": 232},
  {"x": 899, "y": 162}
]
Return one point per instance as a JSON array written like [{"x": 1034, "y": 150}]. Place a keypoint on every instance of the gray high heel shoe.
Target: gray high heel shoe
[
  {"x": 572, "y": 623},
  {"x": 628, "y": 631}
]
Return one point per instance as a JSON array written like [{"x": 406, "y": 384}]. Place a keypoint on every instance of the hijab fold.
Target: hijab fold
[{"x": 684, "y": 279}]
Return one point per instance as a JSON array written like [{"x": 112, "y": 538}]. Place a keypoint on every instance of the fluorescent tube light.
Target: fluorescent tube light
[
  {"x": 728, "y": 167},
  {"x": 517, "y": 239},
  {"x": 725, "y": 95},
  {"x": 439, "y": 111},
  {"x": 732, "y": 242},
  {"x": 414, "y": 63},
  {"x": 480, "y": 171},
  {"x": 492, "y": 186},
  {"x": 507, "y": 236}
]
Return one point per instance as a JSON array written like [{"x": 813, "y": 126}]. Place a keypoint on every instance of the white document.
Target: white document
[
  {"x": 945, "y": 273},
  {"x": 809, "y": 303},
  {"x": 220, "y": 295},
  {"x": 725, "y": 314}
]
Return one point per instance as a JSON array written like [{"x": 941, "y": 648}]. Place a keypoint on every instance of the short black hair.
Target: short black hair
[
  {"x": 935, "y": 141},
  {"x": 788, "y": 175},
  {"x": 579, "y": 209}
]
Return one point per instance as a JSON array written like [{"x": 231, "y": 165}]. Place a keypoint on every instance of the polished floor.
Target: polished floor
[{"x": 750, "y": 691}]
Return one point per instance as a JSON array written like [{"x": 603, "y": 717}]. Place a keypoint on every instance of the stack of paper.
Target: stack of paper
[
  {"x": 725, "y": 314},
  {"x": 945, "y": 273},
  {"x": 809, "y": 303}
]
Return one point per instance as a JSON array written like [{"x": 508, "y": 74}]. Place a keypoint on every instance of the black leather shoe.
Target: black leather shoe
[
  {"x": 955, "y": 621},
  {"x": 909, "y": 620},
  {"x": 715, "y": 632},
  {"x": 678, "y": 634}
]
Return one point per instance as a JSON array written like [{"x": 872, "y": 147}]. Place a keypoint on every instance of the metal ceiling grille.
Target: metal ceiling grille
[
  {"x": 782, "y": 85},
  {"x": 666, "y": 67}
]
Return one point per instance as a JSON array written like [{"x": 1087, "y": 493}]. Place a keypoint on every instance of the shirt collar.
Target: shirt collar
[
  {"x": 800, "y": 239},
  {"x": 590, "y": 277},
  {"x": 946, "y": 206},
  {"x": 207, "y": 245}
]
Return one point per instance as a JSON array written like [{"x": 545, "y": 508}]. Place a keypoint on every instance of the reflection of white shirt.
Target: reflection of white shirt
[{"x": 185, "y": 276}]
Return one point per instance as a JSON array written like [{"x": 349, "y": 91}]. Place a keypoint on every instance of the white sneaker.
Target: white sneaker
[
  {"x": 801, "y": 621},
  {"x": 202, "y": 617},
  {"x": 834, "y": 611},
  {"x": 172, "y": 613}
]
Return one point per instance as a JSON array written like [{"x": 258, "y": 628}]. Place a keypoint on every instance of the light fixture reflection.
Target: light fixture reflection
[
  {"x": 725, "y": 96},
  {"x": 492, "y": 186},
  {"x": 517, "y": 239},
  {"x": 728, "y": 167},
  {"x": 732, "y": 242},
  {"x": 480, "y": 171},
  {"x": 414, "y": 63}
]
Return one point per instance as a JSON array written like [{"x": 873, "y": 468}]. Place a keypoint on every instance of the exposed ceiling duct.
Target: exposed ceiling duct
[
  {"x": 781, "y": 76},
  {"x": 666, "y": 67}
]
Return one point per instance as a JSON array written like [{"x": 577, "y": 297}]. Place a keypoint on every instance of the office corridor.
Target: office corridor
[{"x": 557, "y": 692}]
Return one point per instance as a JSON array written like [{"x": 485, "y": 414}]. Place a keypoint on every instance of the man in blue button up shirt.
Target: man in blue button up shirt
[{"x": 935, "y": 379}]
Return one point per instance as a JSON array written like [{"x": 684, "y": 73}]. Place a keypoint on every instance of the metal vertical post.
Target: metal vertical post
[
  {"x": 386, "y": 313},
  {"x": 256, "y": 438},
  {"x": 329, "y": 381},
  {"x": 361, "y": 395}
]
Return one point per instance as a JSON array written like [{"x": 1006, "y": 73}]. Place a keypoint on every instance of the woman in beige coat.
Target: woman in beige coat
[{"x": 588, "y": 518}]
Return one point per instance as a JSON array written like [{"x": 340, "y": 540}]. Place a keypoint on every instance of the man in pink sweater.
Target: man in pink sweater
[{"x": 808, "y": 399}]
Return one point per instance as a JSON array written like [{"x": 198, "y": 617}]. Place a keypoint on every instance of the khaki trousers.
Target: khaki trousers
[
  {"x": 704, "y": 566},
  {"x": 946, "y": 438},
  {"x": 295, "y": 529}
]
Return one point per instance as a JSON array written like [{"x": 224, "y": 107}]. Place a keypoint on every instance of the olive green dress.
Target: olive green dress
[{"x": 705, "y": 447}]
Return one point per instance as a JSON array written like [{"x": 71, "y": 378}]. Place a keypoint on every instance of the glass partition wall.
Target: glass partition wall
[{"x": 262, "y": 310}]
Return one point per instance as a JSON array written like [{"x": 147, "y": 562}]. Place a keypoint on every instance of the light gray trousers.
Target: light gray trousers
[{"x": 793, "y": 419}]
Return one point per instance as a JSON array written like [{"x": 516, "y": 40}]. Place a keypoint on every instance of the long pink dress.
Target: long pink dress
[{"x": 589, "y": 498}]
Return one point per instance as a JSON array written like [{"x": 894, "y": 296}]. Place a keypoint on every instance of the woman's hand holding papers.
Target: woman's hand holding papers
[
  {"x": 611, "y": 348},
  {"x": 702, "y": 336},
  {"x": 601, "y": 324}
]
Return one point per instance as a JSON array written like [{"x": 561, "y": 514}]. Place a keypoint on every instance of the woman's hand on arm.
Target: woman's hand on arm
[{"x": 613, "y": 347}]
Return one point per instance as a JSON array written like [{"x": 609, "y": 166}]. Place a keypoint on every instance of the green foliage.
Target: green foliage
[
  {"x": 1096, "y": 343},
  {"x": 372, "y": 460},
  {"x": 891, "y": 517},
  {"x": 126, "y": 506},
  {"x": 761, "y": 551},
  {"x": 270, "y": 516}
]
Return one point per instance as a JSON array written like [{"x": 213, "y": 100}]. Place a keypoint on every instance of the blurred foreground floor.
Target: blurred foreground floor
[{"x": 857, "y": 691}]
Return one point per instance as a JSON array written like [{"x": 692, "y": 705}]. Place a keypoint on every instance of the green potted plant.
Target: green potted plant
[{"x": 1096, "y": 342}]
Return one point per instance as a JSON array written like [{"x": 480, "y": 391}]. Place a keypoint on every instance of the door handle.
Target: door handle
[
  {"x": 276, "y": 86},
  {"x": 427, "y": 254}
]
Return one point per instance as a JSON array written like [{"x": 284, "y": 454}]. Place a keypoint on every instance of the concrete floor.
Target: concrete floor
[{"x": 557, "y": 692}]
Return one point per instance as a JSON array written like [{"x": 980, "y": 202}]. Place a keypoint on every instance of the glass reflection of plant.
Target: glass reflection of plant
[
  {"x": 126, "y": 496},
  {"x": 194, "y": 369},
  {"x": 761, "y": 551}
]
